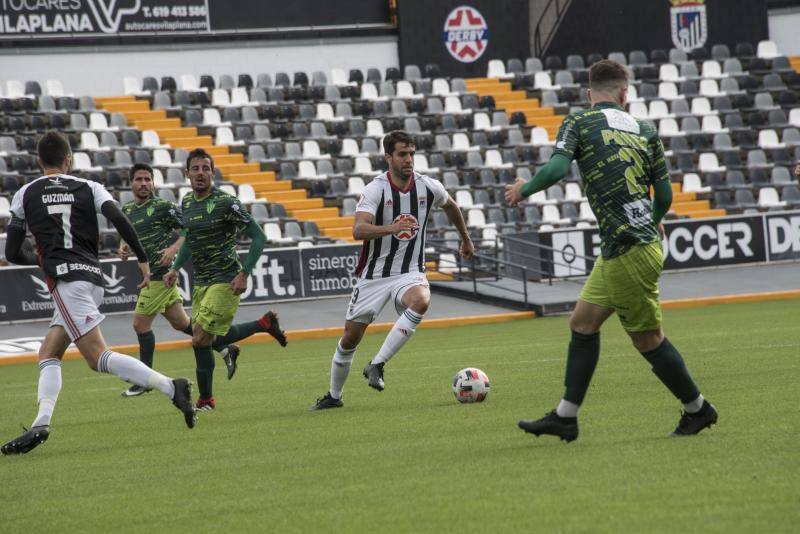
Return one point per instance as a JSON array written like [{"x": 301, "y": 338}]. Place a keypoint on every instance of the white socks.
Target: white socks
[
  {"x": 134, "y": 371},
  {"x": 567, "y": 409},
  {"x": 695, "y": 405},
  {"x": 49, "y": 387},
  {"x": 400, "y": 333},
  {"x": 340, "y": 368}
]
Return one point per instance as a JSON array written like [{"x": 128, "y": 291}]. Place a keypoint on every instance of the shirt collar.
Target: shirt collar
[{"x": 606, "y": 105}]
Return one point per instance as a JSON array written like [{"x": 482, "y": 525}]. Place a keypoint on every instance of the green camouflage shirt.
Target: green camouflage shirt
[
  {"x": 154, "y": 222},
  {"x": 212, "y": 225},
  {"x": 619, "y": 158}
]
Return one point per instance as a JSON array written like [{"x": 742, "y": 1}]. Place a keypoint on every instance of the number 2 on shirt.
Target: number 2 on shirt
[{"x": 634, "y": 171}]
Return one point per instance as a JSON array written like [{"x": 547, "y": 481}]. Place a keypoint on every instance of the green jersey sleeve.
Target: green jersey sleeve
[
  {"x": 237, "y": 214},
  {"x": 656, "y": 160},
  {"x": 568, "y": 138}
]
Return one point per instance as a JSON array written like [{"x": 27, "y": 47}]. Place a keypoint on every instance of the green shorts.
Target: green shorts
[
  {"x": 629, "y": 285},
  {"x": 157, "y": 298},
  {"x": 213, "y": 308}
]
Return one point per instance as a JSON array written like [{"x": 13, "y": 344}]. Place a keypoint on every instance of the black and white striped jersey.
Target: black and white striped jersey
[
  {"x": 397, "y": 254},
  {"x": 61, "y": 213}
]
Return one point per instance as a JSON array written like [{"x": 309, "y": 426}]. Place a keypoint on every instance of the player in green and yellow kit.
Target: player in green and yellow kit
[
  {"x": 620, "y": 158},
  {"x": 155, "y": 221},
  {"x": 212, "y": 219}
]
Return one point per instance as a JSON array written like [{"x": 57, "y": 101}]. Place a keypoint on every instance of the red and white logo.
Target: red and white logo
[
  {"x": 466, "y": 34},
  {"x": 406, "y": 235}
]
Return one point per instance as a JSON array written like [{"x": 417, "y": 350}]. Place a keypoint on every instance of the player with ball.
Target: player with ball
[{"x": 390, "y": 219}]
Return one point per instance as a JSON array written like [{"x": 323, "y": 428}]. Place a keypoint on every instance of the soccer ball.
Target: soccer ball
[{"x": 470, "y": 385}]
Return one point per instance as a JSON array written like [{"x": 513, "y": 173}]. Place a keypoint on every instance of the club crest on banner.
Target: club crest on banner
[
  {"x": 466, "y": 34},
  {"x": 689, "y": 24}
]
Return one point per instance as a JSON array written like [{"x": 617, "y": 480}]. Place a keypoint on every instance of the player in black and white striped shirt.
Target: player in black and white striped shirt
[
  {"x": 61, "y": 212},
  {"x": 391, "y": 218}
]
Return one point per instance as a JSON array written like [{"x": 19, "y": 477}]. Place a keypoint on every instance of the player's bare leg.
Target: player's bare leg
[
  {"x": 340, "y": 365},
  {"x": 416, "y": 300}
]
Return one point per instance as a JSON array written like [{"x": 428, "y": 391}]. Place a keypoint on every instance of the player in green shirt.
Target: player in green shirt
[
  {"x": 619, "y": 158},
  {"x": 212, "y": 219},
  {"x": 155, "y": 221}
]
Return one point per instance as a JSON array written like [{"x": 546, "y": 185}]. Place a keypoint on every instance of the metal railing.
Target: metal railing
[
  {"x": 546, "y": 259},
  {"x": 486, "y": 269}
]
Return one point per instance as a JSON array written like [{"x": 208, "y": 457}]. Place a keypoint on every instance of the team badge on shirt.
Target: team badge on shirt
[{"x": 406, "y": 235}]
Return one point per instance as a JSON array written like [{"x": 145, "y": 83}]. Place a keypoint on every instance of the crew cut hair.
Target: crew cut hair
[{"x": 607, "y": 76}]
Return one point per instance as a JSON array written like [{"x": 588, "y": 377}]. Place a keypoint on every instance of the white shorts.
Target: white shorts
[
  {"x": 370, "y": 296},
  {"x": 77, "y": 307}
]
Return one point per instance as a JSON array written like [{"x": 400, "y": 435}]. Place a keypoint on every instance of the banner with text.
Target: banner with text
[
  {"x": 689, "y": 244},
  {"x": 34, "y": 18},
  {"x": 48, "y": 21},
  {"x": 280, "y": 274}
]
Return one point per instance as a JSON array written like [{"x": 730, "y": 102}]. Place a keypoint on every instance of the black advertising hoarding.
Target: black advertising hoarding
[
  {"x": 265, "y": 14},
  {"x": 330, "y": 270},
  {"x": 280, "y": 274},
  {"x": 25, "y": 19},
  {"x": 783, "y": 231},
  {"x": 624, "y": 25},
  {"x": 689, "y": 244},
  {"x": 715, "y": 242},
  {"x": 462, "y": 36},
  {"x": 45, "y": 21}
]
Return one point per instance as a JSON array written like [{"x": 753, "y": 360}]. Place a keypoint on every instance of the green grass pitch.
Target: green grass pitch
[{"x": 411, "y": 459}]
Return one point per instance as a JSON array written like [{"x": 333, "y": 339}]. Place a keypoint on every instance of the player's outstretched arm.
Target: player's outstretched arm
[
  {"x": 456, "y": 218},
  {"x": 257, "y": 241},
  {"x": 128, "y": 234},
  {"x": 125, "y": 229},
  {"x": 15, "y": 238},
  {"x": 168, "y": 254},
  {"x": 364, "y": 230},
  {"x": 552, "y": 172},
  {"x": 662, "y": 200},
  {"x": 183, "y": 254}
]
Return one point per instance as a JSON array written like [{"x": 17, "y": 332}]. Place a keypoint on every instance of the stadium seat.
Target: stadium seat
[
  {"x": 768, "y": 139},
  {"x": 533, "y": 65},
  {"x": 692, "y": 184},
  {"x": 768, "y": 198},
  {"x": 791, "y": 195},
  {"x": 781, "y": 176},
  {"x": 767, "y": 50},
  {"x": 708, "y": 162}
]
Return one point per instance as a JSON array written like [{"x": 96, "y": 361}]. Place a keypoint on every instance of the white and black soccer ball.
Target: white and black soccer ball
[{"x": 470, "y": 385}]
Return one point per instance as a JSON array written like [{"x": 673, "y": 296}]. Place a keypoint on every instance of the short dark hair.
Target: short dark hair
[
  {"x": 198, "y": 153},
  {"x": 140, "y": 167},
  {"x": 53, "y": 149},
  {"x": 607, "y": 75},
  {"x": 394, "y": 137}
]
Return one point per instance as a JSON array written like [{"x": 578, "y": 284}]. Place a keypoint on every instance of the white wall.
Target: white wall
[
  {"x": 783, "y": 25},
  {"x": 99, "y": 72}
]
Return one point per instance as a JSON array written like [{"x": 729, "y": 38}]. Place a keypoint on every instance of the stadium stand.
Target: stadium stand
[{"x": 297, "y": 150}]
